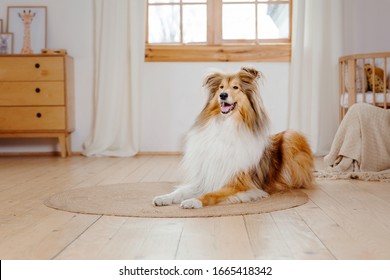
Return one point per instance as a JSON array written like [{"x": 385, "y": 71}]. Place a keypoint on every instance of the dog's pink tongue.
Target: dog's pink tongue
[{"x": 226, "y": 107}]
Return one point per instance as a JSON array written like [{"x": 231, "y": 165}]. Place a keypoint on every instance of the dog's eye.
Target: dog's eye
[
  {"x": 221, "y": 87},
  {"x": 235, "y": 87}
]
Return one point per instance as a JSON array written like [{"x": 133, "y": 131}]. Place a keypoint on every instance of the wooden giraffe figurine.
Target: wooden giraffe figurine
[{"x": 27, "y": 18}]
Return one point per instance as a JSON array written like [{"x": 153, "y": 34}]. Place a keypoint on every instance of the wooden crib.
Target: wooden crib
[{"x": 364, "y": 78}]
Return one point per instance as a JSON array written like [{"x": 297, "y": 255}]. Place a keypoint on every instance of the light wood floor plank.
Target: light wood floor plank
[
  {"x": 215, "y": 238},
  {"x": 29, "y": 195},
  {"x": 332, "y": 235},
  {"x": 22, "y": 170},
  {"x": 47, "y": 237},
  {"x": 162, "y": 239},
  {"x": 359, "y": 200},
  {"x": 11, "y": 223},
  {"x": 101, "y": 171},
  {"x": 266, "y": 240},
  {"x": 139, "y": 173},
  {"x": 343, "y": 220},
  {"x": 141, "y": 238},
  {"x": 122, "y": 171},
  {"x": 302, "y": 242},
  {"x": 372, "y": 235},
  {"x": 173, "y": 172},
  {"x": 90, "y": 243},
  {"x": 379, "y": 189},
  {"x": 157, "y": 167}
]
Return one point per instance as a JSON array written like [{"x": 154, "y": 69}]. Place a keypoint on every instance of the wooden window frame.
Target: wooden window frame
[{"x": 217, "y": 50}]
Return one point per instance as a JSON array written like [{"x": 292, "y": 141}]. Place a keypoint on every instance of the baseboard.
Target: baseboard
[
  {"x": 159, "y": 153},
  {"x": 35, "y": 154},
  {"x": 56, "y": 153}
]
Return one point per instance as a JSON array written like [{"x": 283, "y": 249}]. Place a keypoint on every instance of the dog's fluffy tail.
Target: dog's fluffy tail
[{"x": 287, "y": 163}]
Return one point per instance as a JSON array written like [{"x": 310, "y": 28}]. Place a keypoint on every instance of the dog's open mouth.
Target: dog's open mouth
[{"x": 227, "y": 108}]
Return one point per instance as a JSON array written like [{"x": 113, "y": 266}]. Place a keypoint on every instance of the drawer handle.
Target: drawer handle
[
  {"x": 37, "y": 65},
  {"x": 39, "y": 115},
  {"x": 37, "y": 90}
]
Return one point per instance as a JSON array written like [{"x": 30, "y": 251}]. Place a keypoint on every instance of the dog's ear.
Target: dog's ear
[
  {"x": 212, "y": 81},
  {"x": 250, "y": 74}
]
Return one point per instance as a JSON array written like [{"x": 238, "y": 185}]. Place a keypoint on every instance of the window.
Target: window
[{"x": 218, "y": 30}]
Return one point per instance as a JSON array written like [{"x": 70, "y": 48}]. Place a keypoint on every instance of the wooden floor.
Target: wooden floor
[{"x": 343, "y": 220}]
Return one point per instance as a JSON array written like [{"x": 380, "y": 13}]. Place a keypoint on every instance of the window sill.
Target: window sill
[{"x": 222, "y": 53}]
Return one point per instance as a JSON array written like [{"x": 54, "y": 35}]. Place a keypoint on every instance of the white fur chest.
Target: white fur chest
[{"x": 218, "y": 151}]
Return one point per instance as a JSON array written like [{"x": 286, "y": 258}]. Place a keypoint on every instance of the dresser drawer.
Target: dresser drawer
[
  {"x": 32, "y": 93},
  {"x": 31, "y": 68},
  {"x": 32, "y": 118}
]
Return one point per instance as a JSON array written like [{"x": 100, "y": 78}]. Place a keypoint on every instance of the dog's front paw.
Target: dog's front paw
[
  {"x": 191, "y": 203},
  {"x": 163, "y": 200}
]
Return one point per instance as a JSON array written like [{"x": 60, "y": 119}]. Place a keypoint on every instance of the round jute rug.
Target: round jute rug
[{"x": 135, "y": 200}]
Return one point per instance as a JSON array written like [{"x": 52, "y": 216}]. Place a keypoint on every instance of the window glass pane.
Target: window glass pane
[
  {"x": 194, "y": 23},
  {"x": 238, "y": 21},
  {"x": 273, "y": 21},
  {"x": 164, "y": 24}
]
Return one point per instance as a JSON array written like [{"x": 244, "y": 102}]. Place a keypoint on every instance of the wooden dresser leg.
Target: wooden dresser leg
[
  {"x": 62, "y": 142},
  {"x": 68, "y": 144}
]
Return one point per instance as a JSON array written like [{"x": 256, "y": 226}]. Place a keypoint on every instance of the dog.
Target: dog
[{"x": 230, "y": 155}]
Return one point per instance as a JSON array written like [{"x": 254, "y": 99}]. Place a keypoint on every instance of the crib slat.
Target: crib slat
[
  {"x": 341, "y": 90},
  {"x": 364, "y": 79},
  {"x": 385, "y": 82},
  {"x": 373, "y": 79},
  {"x": 351, "y": 64}
]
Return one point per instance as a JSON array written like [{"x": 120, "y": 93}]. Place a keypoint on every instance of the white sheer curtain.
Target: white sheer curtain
[
  {"x": 316, "y": 47},
  {"x": 118, "y": 53}
]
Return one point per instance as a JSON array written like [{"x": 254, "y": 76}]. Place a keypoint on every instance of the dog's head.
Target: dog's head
[
  {"x": 235, "y": 95},
  {"x": 232, "y": 91}
]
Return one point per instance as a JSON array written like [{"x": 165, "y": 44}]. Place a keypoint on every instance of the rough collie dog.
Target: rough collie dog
[{"x": 230, "y": 156}]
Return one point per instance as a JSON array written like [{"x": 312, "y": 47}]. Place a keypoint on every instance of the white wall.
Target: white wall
[
  {"x": 171, "y": 92},
  {"x": 366, "y": 26},
  {"x": 172, "y": 96}
]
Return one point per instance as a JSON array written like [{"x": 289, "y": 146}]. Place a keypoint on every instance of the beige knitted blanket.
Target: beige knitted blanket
[{"x": 361, "y": 147}]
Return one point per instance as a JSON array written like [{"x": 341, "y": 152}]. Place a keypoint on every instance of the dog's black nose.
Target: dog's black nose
[{"x": 223, "y": 95}]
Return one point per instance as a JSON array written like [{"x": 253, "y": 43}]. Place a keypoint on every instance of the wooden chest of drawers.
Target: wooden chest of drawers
[{"x": 37, "y": 98}]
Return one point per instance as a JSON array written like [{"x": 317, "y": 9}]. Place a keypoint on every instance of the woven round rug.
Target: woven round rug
[{"x": 135, "y": 200}]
